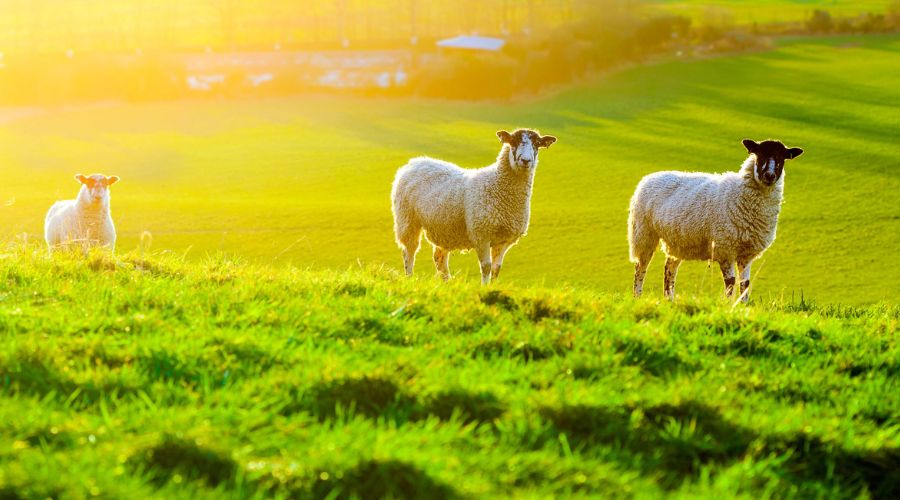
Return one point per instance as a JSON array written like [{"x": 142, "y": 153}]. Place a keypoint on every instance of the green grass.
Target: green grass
[
  {"x": 768, "y": 11},
  {"x": 306, "y": 180},
  {"x": 151, "y": 376}
]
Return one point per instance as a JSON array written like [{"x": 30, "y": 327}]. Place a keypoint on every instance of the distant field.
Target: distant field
[
  {"x": 153, "y": 378},
  {"x": 767, "y": 11},
  {"x": 306, "y": 180}
]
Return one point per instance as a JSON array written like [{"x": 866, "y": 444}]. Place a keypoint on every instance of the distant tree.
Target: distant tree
[
  {"x": 893, "y": 14},
  {"x": 820, "y": 22}
]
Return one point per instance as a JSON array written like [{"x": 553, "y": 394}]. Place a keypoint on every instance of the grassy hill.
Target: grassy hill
[
  {"x": 306, "y": 180},
  {"x": 768, "y": 11},
  {"x": 142, "y": 377}
]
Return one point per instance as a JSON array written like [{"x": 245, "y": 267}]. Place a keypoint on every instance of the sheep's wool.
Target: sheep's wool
[
  {"x": 727, "y": 218},
  {"x": 486, "y": 209},
  {"x": 84, "y": 222}
]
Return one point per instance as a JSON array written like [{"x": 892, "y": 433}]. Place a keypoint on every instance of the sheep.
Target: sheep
[
  {"x": 727, "y": 218},
  {"x": 84, "y": 221},
  {"x": 484, "y": 209}
]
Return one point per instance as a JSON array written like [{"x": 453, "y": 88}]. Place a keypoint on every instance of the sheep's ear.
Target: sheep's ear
[
  {"x": 546, "y": 141},
  {"x": 81, "y": 178},
  {"x": 504, "y": 136},
  {"x": 112, "y": 180},
  {"x": 751, "y": 145},
  {"x": 793, "y": 153}
]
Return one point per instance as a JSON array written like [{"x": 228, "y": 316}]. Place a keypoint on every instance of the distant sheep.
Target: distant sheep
[
  {"x": 485, "y": 209},
  {"x": 84, "y": 222},
  {"x": 727, "y": 218}
]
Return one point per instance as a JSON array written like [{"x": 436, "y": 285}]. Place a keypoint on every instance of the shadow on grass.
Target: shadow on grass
[
  {"x": 51, "y": 438},
  {"x": 470, "y": 407},
  {"x": 650, "y": 359},
  {"x": 175, "y": 456},
  {"x": 33, "y": 375},
  {"x": 376, "y": 397},
  {"x": 382, "y": 479},
  {"x": 675, "y": 441},
  {"x": 536, "y": 309},
  {"x": 877, "y": 470},
  {"x": 525, "y": 351},
  {"x": 371, "y": 397},
  {"x": 30, "y": 491}
]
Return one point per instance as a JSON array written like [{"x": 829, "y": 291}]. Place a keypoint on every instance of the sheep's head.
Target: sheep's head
[
  {"x": 523, "y": 147},
  {"x": 95, "y": 188},
  {"x": 770, "y": 157}
]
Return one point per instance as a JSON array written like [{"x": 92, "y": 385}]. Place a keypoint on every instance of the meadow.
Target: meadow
[
  {"x": 254, "y": 338},
  {"x": 152, "y": 377},
  {"x": 305, "y": 181},
  {"x": 744, "y": 12}
]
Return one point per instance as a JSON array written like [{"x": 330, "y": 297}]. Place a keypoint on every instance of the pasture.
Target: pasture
[
  {"x": 306, "y": 181},
  {"x": 262, "y": 342},
  {"x": 743, "y": 12},
  {"x": 152, "y": 377}
]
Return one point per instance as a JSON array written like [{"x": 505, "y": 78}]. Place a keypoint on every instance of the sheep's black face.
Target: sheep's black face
[
  {"x": 523, "y": 147},
  {"x": 770, "y": 158}
]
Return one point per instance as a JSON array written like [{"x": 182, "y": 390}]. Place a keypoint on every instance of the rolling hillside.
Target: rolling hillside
[
  {"x": 154, "y": 377},
  {"x": 306, "y": 180}
]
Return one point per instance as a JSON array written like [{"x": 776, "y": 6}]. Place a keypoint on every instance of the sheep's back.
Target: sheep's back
[
  {"x": 681, "y": 208},
  {"x": 433, "y": 192}
]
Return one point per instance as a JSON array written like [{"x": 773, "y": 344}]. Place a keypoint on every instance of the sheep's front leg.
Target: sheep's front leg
[
  {"x": 442, "y": 262},
  {"x": 669, "y": 282},
  {"x": 497, "y": 254},
  {"x": 728, "y": 277},
  {"x": 484, "y": 258},
  {"x": 744, "y": 270}
]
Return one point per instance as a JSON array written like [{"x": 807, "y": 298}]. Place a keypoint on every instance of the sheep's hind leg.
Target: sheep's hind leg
[
  {"x": 497, "y": 255},
  {"x": 744, "y": 271},
  {"x": 410, "y": 245},
  {"x": 642, "y": 248},
  {"x": 442, "y": 262},
  {"x": 671, "y": 272},
  {"x": 640, "y": 270},
  {"x": 728, "y": 277},
  {"x": 484, "y": 258}
]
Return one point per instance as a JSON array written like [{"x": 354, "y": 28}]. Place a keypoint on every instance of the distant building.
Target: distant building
[
  {"x": 339, "y": 69},
  {"x": 474, "y": 43}
]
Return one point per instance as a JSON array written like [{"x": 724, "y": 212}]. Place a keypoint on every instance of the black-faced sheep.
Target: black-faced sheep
[{"x": 727, "y": 218}]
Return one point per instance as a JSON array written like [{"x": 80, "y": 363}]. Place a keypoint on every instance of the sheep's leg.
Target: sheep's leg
[
  {"x": 484, "y": 258},
  {"x": 640, "y": 271},
  {"x": 744, "y": 271},
  {"x": 442, "y": 262},
  {"x": 672, "y": 264},
  {"x": 409, "y": 245},
  {"x": 497, "y": 255},
  {"x": 728, "y": 277}
]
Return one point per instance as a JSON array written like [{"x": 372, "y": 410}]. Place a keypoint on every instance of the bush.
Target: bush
[{"x": 820, "y": 22}]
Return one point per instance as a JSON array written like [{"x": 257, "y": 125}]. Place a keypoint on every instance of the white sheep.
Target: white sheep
[
  {"x": 727, "y": 218},
  {"x": 485, "y": 209},
  {"x": 85, "y": 221}
]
